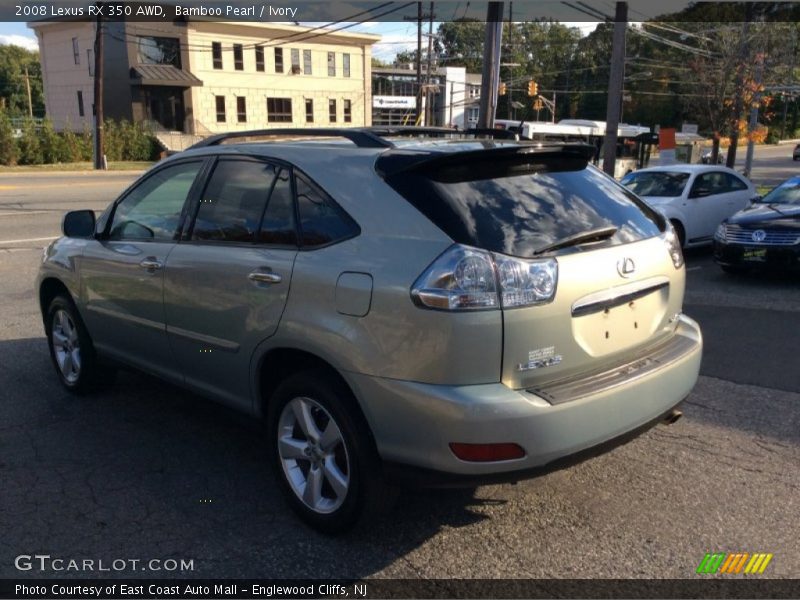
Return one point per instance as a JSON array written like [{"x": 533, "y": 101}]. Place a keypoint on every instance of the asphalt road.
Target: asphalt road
[{"x": 145, "y": 470}]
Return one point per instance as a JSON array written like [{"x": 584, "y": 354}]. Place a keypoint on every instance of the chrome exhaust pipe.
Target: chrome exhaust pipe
[{"x": 673, "y": 416}]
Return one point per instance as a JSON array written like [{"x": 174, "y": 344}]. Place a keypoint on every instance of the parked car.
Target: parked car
[
  {"x": 397, "y": 310},
  {"x": 695, "y": 198},
  {"x": 707, "y": 155},
  {"x": 796, "y": 152},
  {"x": 766, "y": 234}
]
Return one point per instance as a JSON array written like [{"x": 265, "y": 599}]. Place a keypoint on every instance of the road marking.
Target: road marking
[
  {"x": 693, "y": 268},
  {"x": 42, "y": 239},
  {"x": 24, "y": 213}
]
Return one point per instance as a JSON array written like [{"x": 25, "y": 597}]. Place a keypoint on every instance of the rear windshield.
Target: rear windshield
[
  {"x": 517, "y": 211},
  {"x": 656, "y": 184}
]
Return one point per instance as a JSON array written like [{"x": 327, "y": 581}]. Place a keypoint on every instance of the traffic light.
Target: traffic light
[
  {"x": 502, "y": 89},
  {"x": 533, "y": 88},
  {"x": 537, "y": 104}
]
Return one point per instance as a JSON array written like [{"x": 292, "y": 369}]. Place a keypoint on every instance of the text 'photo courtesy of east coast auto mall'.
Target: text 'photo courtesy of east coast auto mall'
[{"x": 389, "y": 299}]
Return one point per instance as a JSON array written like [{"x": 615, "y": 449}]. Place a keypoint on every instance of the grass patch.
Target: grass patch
[{"x": 124, "y": 165}]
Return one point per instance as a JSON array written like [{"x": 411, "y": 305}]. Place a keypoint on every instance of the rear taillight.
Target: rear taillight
[
  {"x": 674, "y": 247},
  {"x": 465, "y": 278}
]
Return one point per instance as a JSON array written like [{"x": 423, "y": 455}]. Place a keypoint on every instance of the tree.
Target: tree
[
  {"x": 13, "y": 92},
  {"x": 8, "y": 146}
]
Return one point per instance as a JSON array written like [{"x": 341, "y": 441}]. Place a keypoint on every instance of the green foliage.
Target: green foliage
[
  {"x": 13, "y": 94},
  {"x": 54, "y": 149},
  {"x": 128, "y": 141},
  {"x": 8, "y": 146},
  {"x": 30, "y": 150}
]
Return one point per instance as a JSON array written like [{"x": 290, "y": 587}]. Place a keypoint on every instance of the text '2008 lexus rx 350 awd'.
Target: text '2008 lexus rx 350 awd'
[{"x": 396, "y": 309}]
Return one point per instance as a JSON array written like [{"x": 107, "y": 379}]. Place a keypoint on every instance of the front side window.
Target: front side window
[
  {"x": 307, "y": 62},
  {"x": 152, "y": 210},
  {"x": 661, "y": 184},
  {"x": 238, "y": 57},
  {"x": 279, "y": 60},
  {"x": 216, "y": 54},
  {"x": 322, "y": 222},
  {"x": 734, "y": 183},
  {"x": 279, "y": 110},
  {"x": 233, "y": 201},
  {"x": 709, "y": 184},
  {"x": 159, "y": 51}
]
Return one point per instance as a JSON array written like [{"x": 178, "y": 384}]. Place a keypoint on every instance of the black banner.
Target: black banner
[{"x": 230, "y": 589}]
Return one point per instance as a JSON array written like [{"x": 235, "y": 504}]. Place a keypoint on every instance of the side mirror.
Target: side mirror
[
  {"x": 756, "y": 198},
  {"x": 78, "y": 224}
]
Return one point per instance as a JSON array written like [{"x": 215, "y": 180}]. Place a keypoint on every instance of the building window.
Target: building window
[
  {"x": 241, "y": 109},
  {"x": 220, "y": 109},
  {"x": 279, "y": 60},
  {"x": 309, "y": 110},
  {"x": 307, "y": 62},
  {"x": 332, "y": 110},
  {"x": 331, "y": 64},
  {"x": 76, "y": 53},
  {"x": 238, "y": 57},
  {"x": 216, "y": 53},
  {"x": 348, "y": 112},
  {"x": 260, "y": 58},
  {"x": 474, "y": 91},
  {"x": 472, "y": 115},
  {"x": 295, "y": 61},
  {"x": 159, "y": 51},
  {"x": 346, "y": 65},
  {"x": 279, "y": 110},
  {"x": 80, "y": 103}
]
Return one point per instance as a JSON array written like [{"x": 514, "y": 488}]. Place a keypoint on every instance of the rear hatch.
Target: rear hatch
[{"x": 619, "y": 280}]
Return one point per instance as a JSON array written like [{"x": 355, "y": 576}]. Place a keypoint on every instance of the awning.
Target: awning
[{"x": 165, "y": 75}]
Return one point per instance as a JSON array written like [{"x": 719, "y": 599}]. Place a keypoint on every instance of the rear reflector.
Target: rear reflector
[{"x": 487, "y": 452}]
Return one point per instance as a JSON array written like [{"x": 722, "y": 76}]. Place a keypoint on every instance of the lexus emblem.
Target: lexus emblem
[
  {"x": 625, "y": 267},
  {"x": 759, "y": 235}
]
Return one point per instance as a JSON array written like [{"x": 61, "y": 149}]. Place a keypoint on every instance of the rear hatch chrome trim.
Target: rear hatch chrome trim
[
  {"x": 617, "y": 296},
  {"x": 587, "y": 384}
]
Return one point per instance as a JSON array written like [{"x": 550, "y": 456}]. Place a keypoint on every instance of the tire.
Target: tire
[
  {"x": 332, "y": 485},
  {"x": 679, "y": 231},
  {"x": 71, "y": 348}
]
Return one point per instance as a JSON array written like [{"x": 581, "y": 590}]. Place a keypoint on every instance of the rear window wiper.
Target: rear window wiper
[{"x": 595, "y": 235}]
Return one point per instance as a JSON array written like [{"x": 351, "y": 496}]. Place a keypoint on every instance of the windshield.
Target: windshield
[
  {"x": 504, "y": 207},
  {"x": 786, "y": 193},
  {"x": 661, "y": 183}
]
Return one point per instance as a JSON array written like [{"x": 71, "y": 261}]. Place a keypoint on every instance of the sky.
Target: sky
[{"x": 395, "y": 36}]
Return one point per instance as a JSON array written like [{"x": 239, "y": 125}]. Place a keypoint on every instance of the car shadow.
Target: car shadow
[{"x": 142, "y": 469}]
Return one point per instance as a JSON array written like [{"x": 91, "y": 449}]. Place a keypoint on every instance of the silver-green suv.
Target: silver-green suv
[{"x": 445, "y": 311}]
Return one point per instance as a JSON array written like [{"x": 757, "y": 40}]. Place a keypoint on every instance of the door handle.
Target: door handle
[
  {"x": 264, "y": 277},
  {"x": 151, "y": 263}
]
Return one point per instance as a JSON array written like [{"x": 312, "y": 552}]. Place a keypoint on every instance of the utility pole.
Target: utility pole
[
  {"x": 615, "y": 81},
  {"x": 419, "y": 59},
  {"x": 99, "y": 134},
  {"x": 491, "y": 65},
  {"x": 739, "y": 86},
  {"x": 428, "y": 108},
  {"x": 748, "y": 161},
  {"x": 28, "y": 88}
]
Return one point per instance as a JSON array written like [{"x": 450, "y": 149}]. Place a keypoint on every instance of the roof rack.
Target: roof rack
[{"x": 361, "y": 137}]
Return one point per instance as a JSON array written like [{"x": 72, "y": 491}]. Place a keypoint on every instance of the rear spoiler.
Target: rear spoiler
[{"x": 566, "y": 156}]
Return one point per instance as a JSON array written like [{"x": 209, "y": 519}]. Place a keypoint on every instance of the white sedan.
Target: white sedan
[{"x": 695, "y": 198}]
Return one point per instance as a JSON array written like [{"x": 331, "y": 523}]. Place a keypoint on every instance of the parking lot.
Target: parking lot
[{"x": 146, "y": 471}]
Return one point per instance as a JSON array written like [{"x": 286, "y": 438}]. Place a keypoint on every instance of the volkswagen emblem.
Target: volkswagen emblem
[
  {"x": 759, "y": 235},
  {"x": 625, "y": 267}
]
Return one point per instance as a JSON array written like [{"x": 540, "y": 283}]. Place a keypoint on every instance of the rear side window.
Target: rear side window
[
  {"x": 516, "y": 208},
  {"x": 278, "y": 224},
  {"x": 231, "y": 207},
  {"x": 322, "y": 222}
]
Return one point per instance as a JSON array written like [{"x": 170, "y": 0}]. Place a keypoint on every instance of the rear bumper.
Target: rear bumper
[{"x": 414, "y": 423}]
